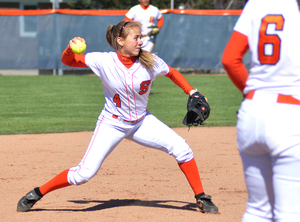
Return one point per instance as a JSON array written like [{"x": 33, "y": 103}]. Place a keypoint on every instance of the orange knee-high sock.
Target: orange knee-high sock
[
  {"x": 57, "y": 182},
  {"x": 191, "y": 172}
]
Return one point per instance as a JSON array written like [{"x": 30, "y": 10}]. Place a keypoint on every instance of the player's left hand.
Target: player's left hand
[
  {"x": 154, "y": 30},
  {"x": 198, "y": 110}
]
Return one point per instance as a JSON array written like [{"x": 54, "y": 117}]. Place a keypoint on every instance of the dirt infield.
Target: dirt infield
[{"x": 134, "y": 184}]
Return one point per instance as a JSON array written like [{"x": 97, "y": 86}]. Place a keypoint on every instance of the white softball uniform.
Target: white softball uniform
[
  {"x": 125, "y": 115},
  {"x": 268, "y": 120},
  {"x": 147, "y": 17}
]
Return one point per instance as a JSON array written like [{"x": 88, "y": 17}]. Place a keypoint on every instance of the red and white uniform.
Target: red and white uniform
[
  {"x": 126, "y": 84},
  {"x": 147, "y": 16},
  {"x": 268, "y": 125},
  {"x": 127, "y": 90}
]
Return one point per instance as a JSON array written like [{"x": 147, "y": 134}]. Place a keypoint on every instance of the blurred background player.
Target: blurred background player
[
  {"x": 126, "y": 74},
  {"x": 146, "y": 16},
  {"x": 268, "y": 125}
]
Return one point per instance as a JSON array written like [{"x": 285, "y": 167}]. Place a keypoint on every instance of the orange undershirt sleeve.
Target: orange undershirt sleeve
[
  {"x": 69, "y": 58},
  {"x": 160, "y": 22},
  {"x": 232, "y": 57},
  {"x": 128, "y": 19},
  {"x": 179, "y": 80}
]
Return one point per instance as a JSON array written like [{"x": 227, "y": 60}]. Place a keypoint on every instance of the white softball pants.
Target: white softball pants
[
  {"x": 148, "y": 43},
  {"x": 269, "y": 145},
  {"x": 109, "y": 132}
]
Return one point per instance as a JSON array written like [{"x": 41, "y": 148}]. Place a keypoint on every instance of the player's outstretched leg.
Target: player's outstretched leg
[
  {"x": 27, "y": 202},
  {"x": 205, "y": 204}
]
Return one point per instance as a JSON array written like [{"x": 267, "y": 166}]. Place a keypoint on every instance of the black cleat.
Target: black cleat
[
  {"x": 205, "y": 204},
  {"x": 27, "y": 202}
]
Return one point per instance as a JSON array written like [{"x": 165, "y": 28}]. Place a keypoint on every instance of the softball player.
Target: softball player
[
  {"x": 146, "y": 16},
  {"x": 126, "y": 75},
  {"x": 268, "y": 126}
]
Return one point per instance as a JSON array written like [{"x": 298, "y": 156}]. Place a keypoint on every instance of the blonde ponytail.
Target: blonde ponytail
[{"x": 147, "y": 59}]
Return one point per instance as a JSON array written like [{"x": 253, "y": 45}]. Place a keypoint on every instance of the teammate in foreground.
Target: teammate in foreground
[
  {"x": 146, "y": 16},
  {"x": 268, "y": 126},
  {"x": 126, "y": 75}
]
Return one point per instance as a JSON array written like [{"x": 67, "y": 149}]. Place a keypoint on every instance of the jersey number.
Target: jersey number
[
  {"x": 143, "y": 89},
  {"x": 267, "y": 39},
  {"x": 117, "y": 100}
]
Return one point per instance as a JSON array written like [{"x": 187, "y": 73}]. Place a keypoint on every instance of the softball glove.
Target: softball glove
[
  {"x": 154, "y": 30},
  {"x": 198, "y": 110}
]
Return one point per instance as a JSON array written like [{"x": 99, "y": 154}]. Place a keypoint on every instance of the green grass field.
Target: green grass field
[{"x": 49, "y": 104}]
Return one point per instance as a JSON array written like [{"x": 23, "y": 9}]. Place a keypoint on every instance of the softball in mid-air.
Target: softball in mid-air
[{"x": 78, "y": 47}]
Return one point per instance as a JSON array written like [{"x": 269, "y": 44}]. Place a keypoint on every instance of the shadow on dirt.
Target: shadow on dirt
[{"x": 102, "y": 205}]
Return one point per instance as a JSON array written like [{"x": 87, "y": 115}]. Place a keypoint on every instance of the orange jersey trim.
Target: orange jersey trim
[
  {"x": 232, "y": 57},
  {"x": 143, "y": 7},
  {"x": 116, "y": 12},
  {"x": 179, "y": 80}
]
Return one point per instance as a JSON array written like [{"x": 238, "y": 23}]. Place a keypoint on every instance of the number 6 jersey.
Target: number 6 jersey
[{"x": 272, "y": 28}]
